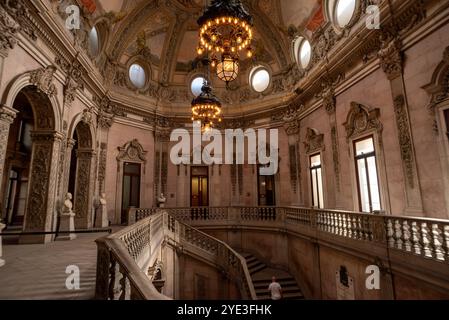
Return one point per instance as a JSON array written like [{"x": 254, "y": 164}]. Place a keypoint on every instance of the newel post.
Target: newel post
[{"x": 103, "y": 270}]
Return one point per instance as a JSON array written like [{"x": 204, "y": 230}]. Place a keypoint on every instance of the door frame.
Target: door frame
[{"x": 208, "y": 183}]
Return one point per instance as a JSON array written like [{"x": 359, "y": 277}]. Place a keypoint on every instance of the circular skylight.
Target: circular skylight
[
  {"x": 196, "y": 86},
  {"x": 94, "y": 42},
  {"x": 344, "y": 12},
  {"x": 305, "y": 53},
  {"x": 260, "y": 79},
  {"x": 137, "y": 76}
]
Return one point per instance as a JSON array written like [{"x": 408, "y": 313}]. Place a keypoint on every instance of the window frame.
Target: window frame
[
  {"x": 144, "y": 65},
  {"x": 296, "y": 51},
  {"x": 356, "y": 164},
  {"x": 330, "y": 8},
  {"x": 312, "y": 176},
  {"x": 256, "y": 69}
]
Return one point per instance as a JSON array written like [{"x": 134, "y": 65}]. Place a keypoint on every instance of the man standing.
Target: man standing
[{"x": 275, "y": 289}]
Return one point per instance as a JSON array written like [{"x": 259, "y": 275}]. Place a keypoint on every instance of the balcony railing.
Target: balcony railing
[
  {"x": 123, "y": 255},
  {"x": 424, "y": 237}
]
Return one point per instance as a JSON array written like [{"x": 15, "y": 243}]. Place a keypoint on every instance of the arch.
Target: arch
[
  {"x": 40, "y": 208},
  {"x": 26, "y": 80},
  {"x": 81, "y": 173},
  {"x": 438, "y": 88}
]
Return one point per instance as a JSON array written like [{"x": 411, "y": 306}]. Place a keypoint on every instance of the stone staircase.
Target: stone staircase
[{"x": 261, "y": 275}]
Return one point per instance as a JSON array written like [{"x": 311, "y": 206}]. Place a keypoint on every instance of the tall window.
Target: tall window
[
  {"x": 316, "y": 175},
  {"x": 367, "y": 178}
]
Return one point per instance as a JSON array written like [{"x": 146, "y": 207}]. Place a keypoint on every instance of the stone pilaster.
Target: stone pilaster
[
  {"x": 41, "y": 205},
  {"x": 7, "y": 116},
  {"x": 2, "y": 262},
  {"x": 392, "y": 62}
]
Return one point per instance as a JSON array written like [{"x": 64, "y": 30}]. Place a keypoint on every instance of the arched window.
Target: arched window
[
  {"x": 137, "y": 75},
  {"x": 259, "y": 79},
  {"x": 196, "y": 85}
]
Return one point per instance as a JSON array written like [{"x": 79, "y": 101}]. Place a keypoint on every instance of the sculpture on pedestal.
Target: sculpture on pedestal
[
  {"x": 101, "y": 217},
  {"x": 67, "y": 220},
  {"x": 161, "y": 201}
]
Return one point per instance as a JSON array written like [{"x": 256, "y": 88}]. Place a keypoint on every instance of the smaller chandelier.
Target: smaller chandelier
[
  {"x": 225, "y": 31},
  {"x": 228, "y": 68},
  {"x": 206, "y": 108}
]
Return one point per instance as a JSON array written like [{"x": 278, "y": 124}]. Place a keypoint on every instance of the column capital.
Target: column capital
[
  {"x": 46, "y": 136},
  {"x": 391, "y": 58},
  {"x": 7, "y": 114},
  {"x": 70, "y": 143}
]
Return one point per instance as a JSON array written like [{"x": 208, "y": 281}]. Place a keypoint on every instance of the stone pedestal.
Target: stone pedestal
[
  {"x": 67, "y": 224},
  {"x": 101, "y": 218},
  {"x": 2, "y": 262}
]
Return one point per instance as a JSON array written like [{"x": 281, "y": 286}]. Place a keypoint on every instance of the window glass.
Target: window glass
[
  {"x": 305, "y": 53},
  {"x": 364, "y": 146},
  {"x": 196, "y": 86},
  {"x": 315, "y": 161},
  {"x": 260, "y": 80},
  {"x": 345, "y": 11},
  {"x": 94, "y": 42},
  {"x": 137, "y": 76}
]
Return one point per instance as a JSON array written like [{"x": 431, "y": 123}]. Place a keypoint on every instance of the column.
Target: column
[
  {"x": 292, "y": 128},
  {"x": 392, "y": 60},
  {"x": 7, "y": 116},
  {"x": 41, "y": 204}
]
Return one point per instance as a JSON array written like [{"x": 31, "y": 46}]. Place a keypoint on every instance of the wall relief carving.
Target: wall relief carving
[
  {"x": 43, "y": 80},
  {"x": 132, "y": 151},
  {"x": 362, "y": 119},
  {"x": 314, "y": 141}
]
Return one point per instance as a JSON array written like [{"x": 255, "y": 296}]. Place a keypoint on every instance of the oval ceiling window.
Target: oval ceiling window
[
  {"x": 305, "y": 53},
  {"x": 196, "y": 86},
  {"x": 137, "y": 76},
  {"x": 260, "y": 79},
  {"x": 344, "y": 12},
  {"x": 94, "y": 42}
]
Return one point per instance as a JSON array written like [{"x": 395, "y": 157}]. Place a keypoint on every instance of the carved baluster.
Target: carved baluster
[
  {"x": 390, "y": 233},
  {"x": 415, "y": 238},
  {"x": 426, "y": 240},
  {"x": 437, "y": 241},
  {"x": 406, "y": 236},
  {"x": 446, "y": 242},
  {"x": 123, "y": 284}
]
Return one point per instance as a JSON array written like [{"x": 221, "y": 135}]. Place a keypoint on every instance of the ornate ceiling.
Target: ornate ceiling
[{"x": 166, "y": 32}]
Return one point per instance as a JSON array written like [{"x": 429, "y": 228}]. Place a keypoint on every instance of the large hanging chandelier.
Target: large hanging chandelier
[
  {"x": 225, "y": 31},
  {"x": 206, "y": 108}
]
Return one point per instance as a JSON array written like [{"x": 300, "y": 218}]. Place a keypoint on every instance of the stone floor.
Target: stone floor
[{"x": 38, "y": 272}]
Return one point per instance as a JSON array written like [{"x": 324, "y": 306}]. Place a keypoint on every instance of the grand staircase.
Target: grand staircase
[{"x": 261, "y": 275}]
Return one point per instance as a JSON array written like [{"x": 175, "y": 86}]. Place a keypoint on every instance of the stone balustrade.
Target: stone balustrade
[
  {"x": 123, "y": 256},
  {"x": 425, "y": 237}
]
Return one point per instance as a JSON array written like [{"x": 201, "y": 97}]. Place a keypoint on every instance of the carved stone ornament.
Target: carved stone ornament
[
  {"x": 132, "y": 151},
  {"x": 20, "y": 13},
  {"x": 43, "y": 80},
  {"x": 314, "y": 141},
  {"x": 391, "y": 57},
  {"x": 438, "y": 89},
  {"x": 362, "y": 119},
  {"x": 8, "y": 31},
  {"x": 405, "y": 138}
]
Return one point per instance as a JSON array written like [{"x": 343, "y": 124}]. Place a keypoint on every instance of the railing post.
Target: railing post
[
  {"x": 2, "y": 262},
  {"x": 131, "y": 216},
  {"x": 103, "y": 272}
]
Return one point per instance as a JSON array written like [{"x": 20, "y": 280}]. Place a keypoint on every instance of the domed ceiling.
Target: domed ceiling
[{"x": 167, "y": 32}]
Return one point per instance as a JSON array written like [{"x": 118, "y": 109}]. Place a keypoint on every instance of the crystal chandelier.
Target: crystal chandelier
[
  {"x": 206, "y": 108},
  {"x": 225, "y": 31}
]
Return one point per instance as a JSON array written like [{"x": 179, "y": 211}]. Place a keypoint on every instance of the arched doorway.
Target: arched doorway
[
  {"x": 80, "y": 175},
  {"x": 31, "y": 162}
]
